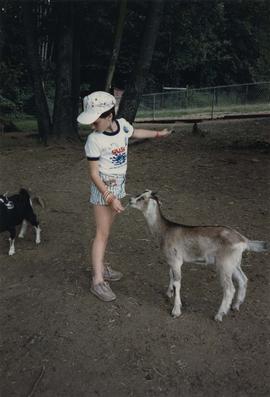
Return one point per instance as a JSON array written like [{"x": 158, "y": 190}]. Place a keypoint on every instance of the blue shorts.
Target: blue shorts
[{"x": 115, "y": 184}]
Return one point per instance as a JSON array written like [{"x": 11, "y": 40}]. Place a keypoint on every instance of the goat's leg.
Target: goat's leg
[
  {"x": 11, "y": 246},
  {"x": 12, "y": 242},
  {"x": 38, "y": 230},
  {"x": 228, "y": 291},
  {"x": 23, "y": 229},
  {"x": 241, "y": 280},
  {"x": 170, "y": 287},
  {"x": 34, "y": 222},
  {"x": 176, "y": 271}
]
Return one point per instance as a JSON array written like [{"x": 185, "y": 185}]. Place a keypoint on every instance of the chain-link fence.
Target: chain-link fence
[{"x": 206, "y": 103}]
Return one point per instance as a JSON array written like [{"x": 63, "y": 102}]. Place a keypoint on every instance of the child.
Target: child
[{"x": 106, "y": 150}]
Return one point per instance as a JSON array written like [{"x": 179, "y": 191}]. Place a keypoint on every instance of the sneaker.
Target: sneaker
[
  {"x": 112, "y": 275},
  {"x": 103, "y": 291}
]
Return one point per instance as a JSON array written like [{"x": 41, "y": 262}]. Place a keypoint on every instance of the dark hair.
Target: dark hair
[{"x": 107, "y": 113}]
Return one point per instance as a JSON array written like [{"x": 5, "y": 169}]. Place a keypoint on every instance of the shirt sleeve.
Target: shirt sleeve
[
  {"x": 92, "y": 149},
  {"x": 127, "y": 127}
]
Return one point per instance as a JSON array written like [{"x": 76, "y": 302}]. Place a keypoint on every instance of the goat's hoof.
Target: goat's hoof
[
  {"x": 21, "y": 235},
  {"x": 38, "y": 242},
  {"x": 236, "y": 307},
  {"x": 11, "y": 253},
  {"x": 176, "y": 313},
  {"x": 218, "y": 317}
]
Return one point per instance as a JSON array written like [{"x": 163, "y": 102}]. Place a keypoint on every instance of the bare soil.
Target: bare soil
[{"x": 59, "y": 340}]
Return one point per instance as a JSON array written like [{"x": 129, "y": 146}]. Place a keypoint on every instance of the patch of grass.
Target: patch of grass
[
  {"x": 26, "y": 124},
  {"x": 206, "y": 111}
]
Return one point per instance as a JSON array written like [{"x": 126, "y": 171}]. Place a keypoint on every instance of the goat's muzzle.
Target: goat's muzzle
[{"x": 132, "y": 202}]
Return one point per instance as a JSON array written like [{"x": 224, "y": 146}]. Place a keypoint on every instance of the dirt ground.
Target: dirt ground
[{"x": 59, "y": 340}]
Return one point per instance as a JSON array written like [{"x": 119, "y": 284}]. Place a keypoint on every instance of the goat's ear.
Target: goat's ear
[
  {"x": 155, "y": 197},
  {"x": 159, "y": 201}
]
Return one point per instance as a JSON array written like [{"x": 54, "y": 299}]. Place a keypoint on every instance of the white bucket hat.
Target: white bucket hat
[{"x": 94, "y": 105}]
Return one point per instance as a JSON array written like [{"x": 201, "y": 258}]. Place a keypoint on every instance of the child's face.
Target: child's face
[{"x": 102, "y": 124}]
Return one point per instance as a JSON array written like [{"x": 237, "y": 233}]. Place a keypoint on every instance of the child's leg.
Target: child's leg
[{"x": 104, "y": 217}]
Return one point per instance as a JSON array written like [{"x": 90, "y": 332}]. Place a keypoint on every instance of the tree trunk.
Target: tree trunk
[
  {"x": 63, "y": 124},
  {"x": 75, "y": 80},
  {"x": 117, "y": 43},
  {"x": 2, "y": 31},
  {"x": 43, "y": 116},
  {"x": 132, "y": 94}
]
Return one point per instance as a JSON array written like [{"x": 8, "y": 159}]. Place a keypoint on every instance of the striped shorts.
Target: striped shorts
[{"x": 115, "y": 184}]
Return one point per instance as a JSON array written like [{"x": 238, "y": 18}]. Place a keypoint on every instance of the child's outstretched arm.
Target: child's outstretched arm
[{"x": 143, "y": 134}]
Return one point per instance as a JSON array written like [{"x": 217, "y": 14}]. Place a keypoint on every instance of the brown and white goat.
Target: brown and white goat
[{"x": 221, "y": 246}]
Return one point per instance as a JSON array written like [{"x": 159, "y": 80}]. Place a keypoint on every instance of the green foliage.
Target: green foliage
[
  {"x": 213, "y": 42},
  {"x": 201, "y": 43},
  {"x": 7, "y": 106}
]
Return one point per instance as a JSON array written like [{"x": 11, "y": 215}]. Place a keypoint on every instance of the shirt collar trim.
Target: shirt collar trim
[{"x": 114, "y": 132}]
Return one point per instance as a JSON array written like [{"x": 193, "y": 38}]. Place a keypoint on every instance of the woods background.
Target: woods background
[{"x": 54, "y": 52}]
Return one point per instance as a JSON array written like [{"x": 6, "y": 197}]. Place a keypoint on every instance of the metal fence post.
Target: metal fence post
[
  {"x": 246, "y": 98},
  {"x": 213, "y": 103},
  {"x": 186, "y": 97},
  {"x": 154, "y": 106}
]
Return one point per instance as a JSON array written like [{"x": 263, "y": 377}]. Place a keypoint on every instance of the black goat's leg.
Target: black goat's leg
[
  {"x": 12, "y": 241},
  {"x": 23, "y": 229},
  {"x": 32, "y": 218}
]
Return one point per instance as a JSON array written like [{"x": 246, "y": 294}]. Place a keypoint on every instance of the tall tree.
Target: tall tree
[
  {"x": 131, "y": 97},
  {"x": 63, "y": 124},
  {"x": 2, "y": 32},
  {"x": 75, "y": 87},
  {"x": 43, "y": 116},
  {"x": 117, "y": 43}
]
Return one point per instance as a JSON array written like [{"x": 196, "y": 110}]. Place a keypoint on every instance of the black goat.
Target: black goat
[{"x": 15, "y": 210}]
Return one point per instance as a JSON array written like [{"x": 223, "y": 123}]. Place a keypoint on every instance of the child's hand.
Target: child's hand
[
  {"x": 117, "y": 206},
  {"x": 164, "y": 133}
]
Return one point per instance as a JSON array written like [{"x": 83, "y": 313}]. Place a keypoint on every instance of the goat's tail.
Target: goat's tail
[
  {"x": 38, "y": 200},
  {"x": 35, "y": 200},
  {"x": 258, "y": 246}
]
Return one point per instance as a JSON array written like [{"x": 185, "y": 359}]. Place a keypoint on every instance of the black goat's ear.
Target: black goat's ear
[{"x": 154, "y": 194}]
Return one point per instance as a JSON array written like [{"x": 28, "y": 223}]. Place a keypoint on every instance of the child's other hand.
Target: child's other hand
[
  {"x": 117, "y": 206},
  {"x": 164, "y": 133}
]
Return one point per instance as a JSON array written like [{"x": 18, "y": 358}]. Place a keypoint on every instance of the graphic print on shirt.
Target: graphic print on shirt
[{"x": 119, "y": 155}]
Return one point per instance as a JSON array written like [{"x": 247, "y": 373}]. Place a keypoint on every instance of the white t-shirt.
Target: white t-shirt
[{"x": 110, "y": 148}]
